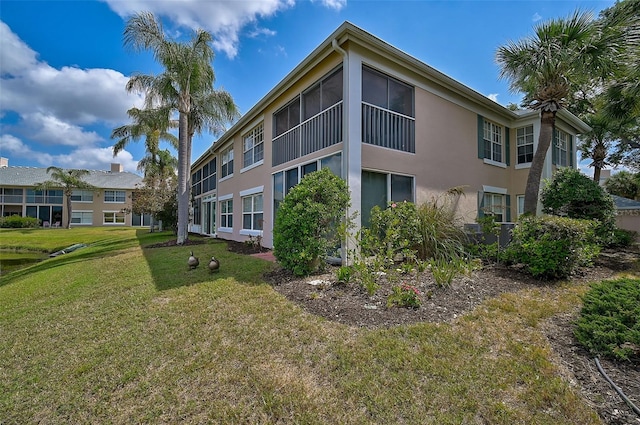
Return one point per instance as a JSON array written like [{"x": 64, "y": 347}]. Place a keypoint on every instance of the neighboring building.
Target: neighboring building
[
  {"x": 393, "y": 127},
  {"x": 627, "y": 213},
  {"x": 105, "y": 207}
]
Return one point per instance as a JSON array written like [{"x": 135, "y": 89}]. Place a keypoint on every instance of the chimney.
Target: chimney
[
  {"x": 117, "y": 168},
  {"x": 4, "y": 162}
]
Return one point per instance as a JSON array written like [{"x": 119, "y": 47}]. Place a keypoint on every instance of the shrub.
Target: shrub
[
  {"x": 609, "y": 323},
  {"x": 552, "y": 247},
  {"x": 572, "y": 194},
  {"x": 308, "y": 221},
  {"x": 623, "y": 237},
  {"x": 392, "y": 231},
  {"x": 428, "y": 230},
  {"x": 17, "y": 222},
  {"x": 404, "y": 296}
]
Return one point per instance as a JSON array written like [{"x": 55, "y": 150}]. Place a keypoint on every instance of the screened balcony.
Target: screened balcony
[
  {"x": 388, "y": 129},
  {"x": 318, "y": 132}
]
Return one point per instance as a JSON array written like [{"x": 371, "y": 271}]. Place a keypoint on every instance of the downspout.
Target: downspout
[{"x": 346, "y": 245}]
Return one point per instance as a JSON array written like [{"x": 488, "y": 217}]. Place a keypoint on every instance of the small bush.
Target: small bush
[
  {"x": 572, "y": 194},
  {"x": 17, "y": 222},
  {"x": 552, "y": 247},
  {"x": 623, "y": 238},
  {"x": 405, "y": 295},
  {"x": 308, "y": 221},
  {"x": 609, "y": 323}
]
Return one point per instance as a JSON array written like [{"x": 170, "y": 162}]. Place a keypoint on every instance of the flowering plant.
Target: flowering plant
[{"x": 404, "y": 295}]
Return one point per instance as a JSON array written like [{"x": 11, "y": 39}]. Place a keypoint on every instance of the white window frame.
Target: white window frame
[
  {"x": 561, "y": 144},
  {"x": 253, "y": 212},
  {"x": 520, "y": 205},
  {"x": 113, "y": 194},
  {"x": 490, "y": 206},
  {"x": 251, "y": 143},
  {"x": 82, "y": 215},
  {"x": 116, "y": 216},
  {"x": 225, "y": 214},
  {"x": 523, "y": 140},
  {"x": 494, "y": 135},
  {"x": 226, "y": 158}
]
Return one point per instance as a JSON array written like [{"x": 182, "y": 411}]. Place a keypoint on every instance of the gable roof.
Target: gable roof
[
  {"x": 31, "y": 176},
  {"x": 625, "y": 203}
]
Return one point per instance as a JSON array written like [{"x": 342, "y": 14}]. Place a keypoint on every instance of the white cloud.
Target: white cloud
[
  {"x": 11, "y": 145},
  {"x": 87, "y": 158},
  {"x": 536, "y": 17},
  {"x": 95, "y": 159},
  {"x": 53, "y": 106},
  {"x": 223, "y": 18},
  {"x": 332, "y": 4},
  {"x": 49, "y": 130},
  {"x": 261, "y": 32},
  {"x": 493, "y": 96}
]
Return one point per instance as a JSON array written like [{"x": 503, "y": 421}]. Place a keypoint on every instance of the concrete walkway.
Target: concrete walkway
[{"x": 268, "y": 256}]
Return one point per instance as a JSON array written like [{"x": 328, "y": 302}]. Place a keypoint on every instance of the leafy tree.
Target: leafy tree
[
  {"x": 68, "y": 180},
  {"x": 625, "y": 184},
  {"x": 157, "y": 197},
  {"x": 549, "y": 67},
  {"x": 612, "y": 109},
  {"x": 572, "y": 194},
  {"x": 306, "y": 221},
  {"x": 185, "y": 86}
]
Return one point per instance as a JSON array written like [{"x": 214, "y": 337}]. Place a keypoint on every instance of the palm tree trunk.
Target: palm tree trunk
[
  {"x": 547, "y": 122},
  {"x": 68, "y": 199},
  {"x": 183, "y": 171},
  {"x": 596, "y": 174}
]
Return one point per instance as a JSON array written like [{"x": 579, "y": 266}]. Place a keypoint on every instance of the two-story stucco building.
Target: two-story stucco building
[
  {"x": 393, "y": 127},
  {"x": 106, "y": 206}
]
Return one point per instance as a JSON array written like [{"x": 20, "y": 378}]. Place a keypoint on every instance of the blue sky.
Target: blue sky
[{"x": 63, "y": 67}]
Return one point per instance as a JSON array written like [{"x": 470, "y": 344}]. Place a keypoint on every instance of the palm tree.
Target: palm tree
[
  {"x": 596, "y": 143},
  {"x": 68, "y": 180},
  {"x": 153, "y": 124},
  {"x": 562, "y": 56},
  {"x": 188, "y": 78}
]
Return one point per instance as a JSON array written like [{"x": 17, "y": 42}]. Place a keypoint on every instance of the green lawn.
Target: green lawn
[{"x": 120, "y": 333}]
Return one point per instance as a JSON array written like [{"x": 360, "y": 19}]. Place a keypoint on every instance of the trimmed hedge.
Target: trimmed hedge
[
  {"x": 17, "y": 222},
  {"x": 609, "y": 323}
]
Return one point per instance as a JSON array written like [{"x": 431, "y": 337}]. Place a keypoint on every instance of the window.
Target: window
[
  {"x": 253, "y": 147},
  {"x": 387, "y": 112},
  {"x": 227, "y": 163},
  {"x": 252, "y": 207},
  {"x": 494, "y": 205},
  {"x": 51, "y": 196},
  {"x": 113, "y": 217},
  {"x": 561, "y": 148},
  {"x": 287, "y": 117},
  {"x": 496, "y": 202},
  {"x": 115, "y": 196},
  {"x": 196, "y": 183},
  {"x": 82, "y": 217},
  {"x": 525, "y": 144},
  {"x": 378, "y": 189},
  {"x": 209, "y": 172},
  {"x": 520, "y": 200},
  {"x": 323, "y": 95},
  {"x": 284, "y": 181},
  {"x": 386, "y": 92},
  {"x": 492, "y": 141},
  {"x": 226, "y": 213},
  {"x": 11, "y": 196},
  {"x": 82, "y": 196}
]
